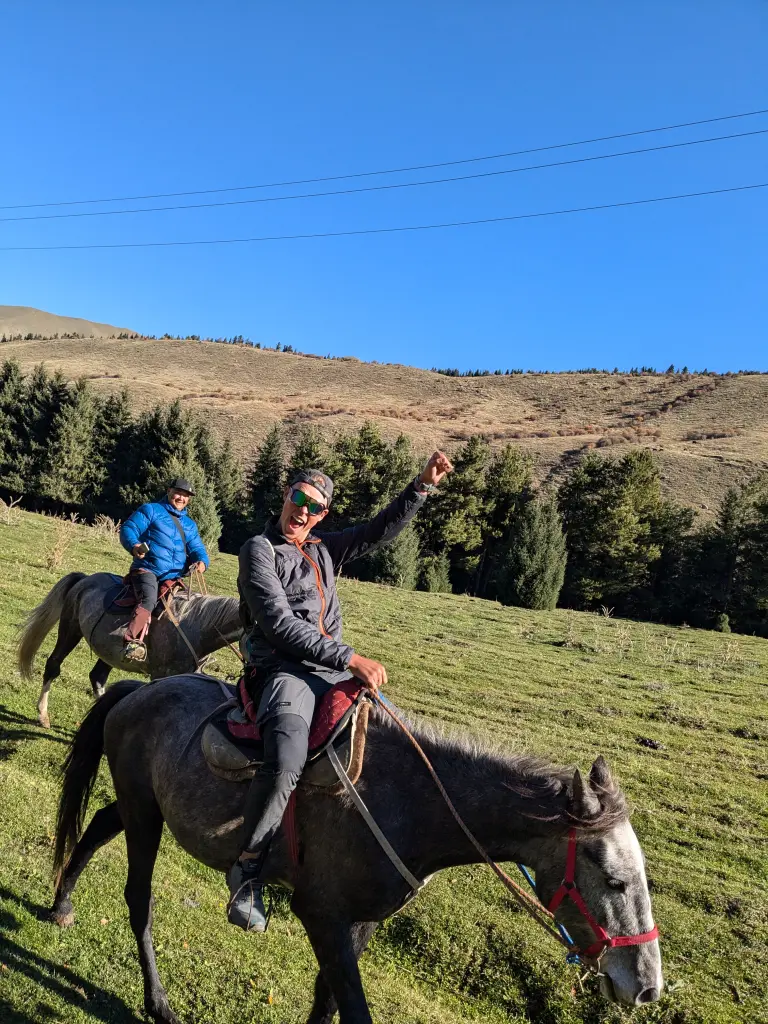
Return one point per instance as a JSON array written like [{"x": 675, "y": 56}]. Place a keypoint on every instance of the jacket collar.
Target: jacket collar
[{"x": 174, "y": 512}]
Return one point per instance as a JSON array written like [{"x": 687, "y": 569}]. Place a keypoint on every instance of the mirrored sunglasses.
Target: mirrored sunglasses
[{"x": 304, "y": 501}]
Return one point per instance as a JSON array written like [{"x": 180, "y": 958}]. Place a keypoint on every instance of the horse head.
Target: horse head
[{"x": 594, "y": 881}]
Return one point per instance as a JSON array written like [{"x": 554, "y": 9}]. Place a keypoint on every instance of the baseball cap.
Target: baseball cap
[{"x": 319, "y": 480}]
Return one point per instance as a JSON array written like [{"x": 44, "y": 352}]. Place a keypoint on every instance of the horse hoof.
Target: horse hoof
[
  {"x": 64, "y": 919},
  {"x": 98, "y": 691},
  {"x": 161, "y": 1012},
  {"x": 45, "y": 721}
]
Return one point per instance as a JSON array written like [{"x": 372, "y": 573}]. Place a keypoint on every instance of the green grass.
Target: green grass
[{"x": 565, "y": 685}]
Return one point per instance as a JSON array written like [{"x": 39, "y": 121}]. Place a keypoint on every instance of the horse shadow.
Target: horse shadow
[
  {"x": 14, "y": 728},
  {"x": 50, "y": 978}
]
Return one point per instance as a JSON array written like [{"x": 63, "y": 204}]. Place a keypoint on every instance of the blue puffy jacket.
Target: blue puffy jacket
[{"x": 167, "y": 557}]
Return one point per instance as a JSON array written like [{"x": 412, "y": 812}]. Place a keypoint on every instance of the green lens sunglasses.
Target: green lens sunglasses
[{"x": 303, "y": 500}]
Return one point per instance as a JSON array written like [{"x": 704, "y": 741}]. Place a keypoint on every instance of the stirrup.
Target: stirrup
[{"x": 135, "y": 650}]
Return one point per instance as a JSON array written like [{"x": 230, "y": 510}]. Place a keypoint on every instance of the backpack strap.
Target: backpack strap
[
  {"x": 180, "y": 528},
  {"x": 271, "y": 548}
]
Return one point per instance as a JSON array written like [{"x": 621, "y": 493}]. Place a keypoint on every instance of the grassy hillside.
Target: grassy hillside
[
  {"x": 27, "y": 320},
  {"x": 562, "y": 684},
  {"x": 708, "y": 432}
]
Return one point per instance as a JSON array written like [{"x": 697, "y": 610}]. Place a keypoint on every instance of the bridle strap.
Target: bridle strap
[{"x": 569, "y": 890}]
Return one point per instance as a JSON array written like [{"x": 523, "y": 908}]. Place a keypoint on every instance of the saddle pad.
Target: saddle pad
[
  {"x": 328, "y": 713},
  {"x": 239, "y": 759},
  {"x": 121, "y": 596}
]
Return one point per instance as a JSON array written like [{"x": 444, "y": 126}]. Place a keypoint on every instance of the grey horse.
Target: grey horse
[
  {"x": 519, "y": 808},
  {"x": 78, "y": 602}
]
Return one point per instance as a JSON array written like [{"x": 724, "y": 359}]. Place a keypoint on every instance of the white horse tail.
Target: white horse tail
[{"x": 41, "y": 621}]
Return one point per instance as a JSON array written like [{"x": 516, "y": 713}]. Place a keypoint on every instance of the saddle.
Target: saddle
[
  {"x": 233, "y": 749},
  {"x": 124, "y": 598}
]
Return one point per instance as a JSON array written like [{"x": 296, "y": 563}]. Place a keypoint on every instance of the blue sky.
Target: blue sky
[{"x": 103, "y": 100}]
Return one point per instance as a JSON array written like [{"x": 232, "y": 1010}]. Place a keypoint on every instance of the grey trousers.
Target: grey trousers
[{"x": 285, "y": 711}]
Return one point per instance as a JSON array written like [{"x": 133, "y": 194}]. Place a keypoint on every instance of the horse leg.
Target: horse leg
[
  {"x": 142, "y": 838},
  {"x": 334, "y": 946},
  {"x": 103, "y": 827},
  {"x": 68, "y": 638},
  {"x": 324, "y": 1006},
  {"x": 98, "y": 677}
]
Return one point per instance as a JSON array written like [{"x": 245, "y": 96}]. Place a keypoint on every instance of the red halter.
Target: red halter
[{"x": 568, "y": 890}]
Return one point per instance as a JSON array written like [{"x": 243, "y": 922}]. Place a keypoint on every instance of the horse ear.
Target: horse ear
[
  {"x": 583, "y": 803},
  {"x": 600, "y": 775}
]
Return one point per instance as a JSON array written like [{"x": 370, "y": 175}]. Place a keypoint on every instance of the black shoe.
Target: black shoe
[{"x": 246, "y": 903}]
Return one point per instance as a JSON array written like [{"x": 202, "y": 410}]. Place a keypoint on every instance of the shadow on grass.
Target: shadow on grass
[
  {"x": 14, "y": 728},
  {"x": 61, "y": 984}
]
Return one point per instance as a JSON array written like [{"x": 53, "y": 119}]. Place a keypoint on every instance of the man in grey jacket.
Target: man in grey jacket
[{"x": 291, "y": 614}]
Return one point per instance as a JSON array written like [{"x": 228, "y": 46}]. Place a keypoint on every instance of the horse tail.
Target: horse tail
[
  {"x": 41, "y": 621},
  {"x": 80, "y": 769}
]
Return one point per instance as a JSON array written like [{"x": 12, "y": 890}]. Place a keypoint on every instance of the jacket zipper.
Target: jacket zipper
[{"x": 318, "y": 577}]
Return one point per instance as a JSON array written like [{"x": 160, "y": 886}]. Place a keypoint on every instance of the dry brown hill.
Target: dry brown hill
[
  {"x": 25, "y": 320},
  {"x": 708, "y": 432}
]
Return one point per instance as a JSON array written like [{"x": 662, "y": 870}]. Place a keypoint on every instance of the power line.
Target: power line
[
  {"x": 386, "y": 231},
  {"x": 392, "y": 170},
  {"x": 385, "y": 188}
]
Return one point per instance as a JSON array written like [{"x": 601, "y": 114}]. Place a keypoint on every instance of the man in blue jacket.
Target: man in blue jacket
[{"x": 165, "y": 544}]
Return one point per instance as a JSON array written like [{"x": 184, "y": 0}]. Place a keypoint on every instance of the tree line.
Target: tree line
[{"x": 604, "y": 538}]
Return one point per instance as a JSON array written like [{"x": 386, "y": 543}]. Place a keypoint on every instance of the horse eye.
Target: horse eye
[{"x": 617, "y": 884}]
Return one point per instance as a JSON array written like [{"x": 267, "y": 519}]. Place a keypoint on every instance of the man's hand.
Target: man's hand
[
  {"x": 370, "y": 673},
  {"x": 197, "y": 567},
  {"x": 438, "y": 467},
  {"x": 138, "y": 551}
]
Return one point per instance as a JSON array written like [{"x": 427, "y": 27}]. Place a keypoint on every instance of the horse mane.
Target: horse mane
[
  {"x": 213, "y": 612},
  {"x": 531, "y": 779}
]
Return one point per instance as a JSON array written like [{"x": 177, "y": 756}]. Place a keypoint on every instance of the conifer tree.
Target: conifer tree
[
  {"x": 507, "y": 490},
  {"x": 531, "y": 567},
  {"x": 435, "y": 573},
  {"x": 266, "y": 480},
  {"x": 120, "y": 449},
  {"x": 310, "y": 450},
  {"x": 610, "y": 510},
  {"x": 453, "y": 519},
  {"x": 13, "y": 396},
  {"x": 73, "y": 468}
]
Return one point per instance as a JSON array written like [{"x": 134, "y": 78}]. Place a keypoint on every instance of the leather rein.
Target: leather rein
[{"x": 545, "y": 916}]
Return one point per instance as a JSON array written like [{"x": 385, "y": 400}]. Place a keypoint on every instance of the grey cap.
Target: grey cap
[
  {"x": 180, "y": 484},
  {"x": 317, "y": 479}
]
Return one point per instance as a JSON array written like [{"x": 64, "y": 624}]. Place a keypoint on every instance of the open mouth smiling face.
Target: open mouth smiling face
[{"x": 303, "y": 508}]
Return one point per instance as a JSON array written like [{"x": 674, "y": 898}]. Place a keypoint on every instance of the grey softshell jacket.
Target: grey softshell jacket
[{"x": 288, "y": 602}]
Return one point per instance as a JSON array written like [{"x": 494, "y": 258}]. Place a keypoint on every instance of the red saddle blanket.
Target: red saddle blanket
[{"x": 328, "y": 713}]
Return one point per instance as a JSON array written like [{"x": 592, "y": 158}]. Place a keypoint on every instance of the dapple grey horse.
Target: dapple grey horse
[
  {"x": 78, "y": 602},
  {"x": 519, "y": 808}
]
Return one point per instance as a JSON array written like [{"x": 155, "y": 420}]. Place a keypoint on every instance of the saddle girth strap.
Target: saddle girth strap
[{"x": 379, "y": 836}]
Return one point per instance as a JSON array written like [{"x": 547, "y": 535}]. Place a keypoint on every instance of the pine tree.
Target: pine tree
[
  {"x": 120, "y": 447},
  {"x": 507, "y": 489},
  {"x": 531, "y": 567},
  {"x": 13, "y": 397},
  {"x": 453, "y": 519},
  {"x": 310, "y": 451},
  {"x": 396, "y": 563},
  {"x": 359, "y": 464},
  {"x": 44, "y": 397},
  {"x": 266, "y": 480},
  {"x": 435, "y": 573},
  {"x": 73, "y": 469},
  {"x": 610, "y": 510}
]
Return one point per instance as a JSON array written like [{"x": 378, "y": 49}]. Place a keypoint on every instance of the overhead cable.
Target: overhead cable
[
  {"x": 391, "y": 170},
  {"x": 385, "y": 231},
  {"x": 383, "y": 188}
]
